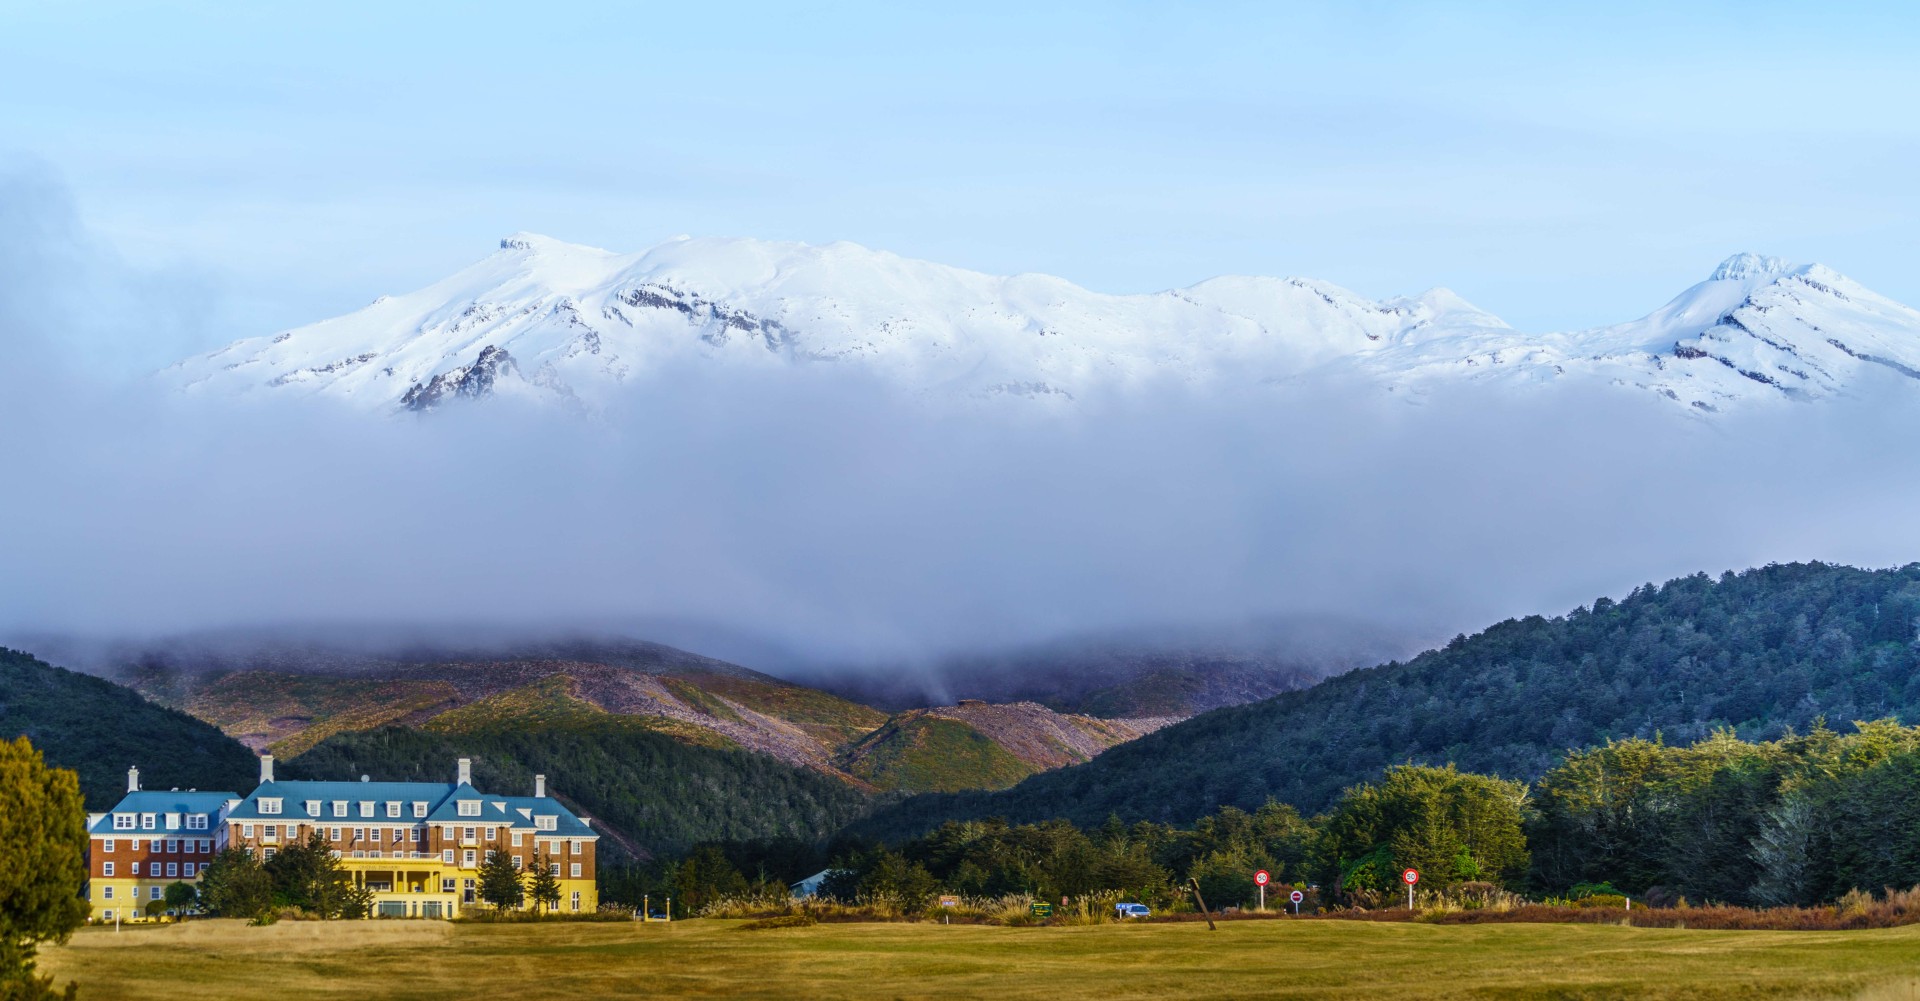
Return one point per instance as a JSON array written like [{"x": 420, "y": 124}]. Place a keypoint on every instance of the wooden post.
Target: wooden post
[{"x": 1195, "y": 883}]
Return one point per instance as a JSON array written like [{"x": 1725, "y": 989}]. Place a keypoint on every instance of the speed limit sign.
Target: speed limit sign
[
  {"x": 1412, "y": 876},
  {"x": 1261, "y": 878}
]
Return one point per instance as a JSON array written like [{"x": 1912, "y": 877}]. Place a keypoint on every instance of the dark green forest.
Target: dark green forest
[
  {"x": 1758, "y": 652},
  {"x": 99, "y": 729},
  {"x": 661, "y": 794}
]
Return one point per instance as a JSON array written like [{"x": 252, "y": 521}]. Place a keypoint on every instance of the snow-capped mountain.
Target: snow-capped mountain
[{"x": 554, "y": 320}]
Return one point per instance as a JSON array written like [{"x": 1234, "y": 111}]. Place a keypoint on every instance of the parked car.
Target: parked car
[{"x": 1124, "y": 911}]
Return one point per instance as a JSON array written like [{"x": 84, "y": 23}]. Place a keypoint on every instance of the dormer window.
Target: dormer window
[
  {"x": 366, "y": 808},
  {"x": 313, "y": 808},
  {"x": 269, "y": 806},
  {"x": 196, "y": 821},
  {"x": 546, "y": 822},
  {"x": 124, "y": 822},
  {"x": 419, "y": 809},
  {"x": 339, "y": 807},
  {"x": 393, "y": 809},
  {"x": 149, "y": 821},
  {"x": 173, "y": 821},
  {"x": 469, "y": 808}
]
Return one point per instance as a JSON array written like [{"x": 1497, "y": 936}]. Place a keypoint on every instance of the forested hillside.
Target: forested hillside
[
  {"x": 99, "y": 729},
  {"x": 1759, "y": 652},
  {"x": 646, "y": 790}
]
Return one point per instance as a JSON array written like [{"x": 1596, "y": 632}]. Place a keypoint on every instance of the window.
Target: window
[
  {"x": 419, "y": 835},
  {"x": 516, "y": 863},
  {"x": 205, "y": 846},
  {"x": 419, "y": 809},
  {"x": 366, "y": 808},
  {"x": 516, "y": 839},
  {"x": 573, "y": 847},
  {"x": 154, "y": 894},
  {"x": 467, "y": 858},
  {"x": 359, "y": 834},
  {"x": 393, "y": 809},
  {"x": 106, "y": 892},
  {"x": 269, "y": 806},
  {"x": 576, "y": 900},
  {"x": 123, "y": 821},
  {"x": 268, "y": 853},
  {"x": 446, "y": 857},
  {"x": 489, "y": 854},
  {"x": 448, "y": 885},
  {"x": 136, "y": 868},
  {"x": 106, "y": 845},
  {"x": 271, "y": 832},
  {"x": 375, "y": 854},
  {"x": 553, "y": 868},
  {"x": 576, "y": 870},
  {"x": 173, "y": 868},
  {"x": 339, "y": 807},
  {"x": 545, "y": 822},
  {"x": 106, "y": 869},
  {"x": 196, "y": 822},
  {"x": 148, "y": 821},
  {"x": 246, "y": 830},
  {"x": 466, "y": 835},
  {"x": 173, "y": 821},
  {"x": 469, "y": 808},
  {"x": 173, "y": 847},
  {"x": 333, "y": 834},
  {"x": 493, "y": 834}
]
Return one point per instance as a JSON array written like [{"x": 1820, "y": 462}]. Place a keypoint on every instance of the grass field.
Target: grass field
[{"x": 1265, "y": 959}]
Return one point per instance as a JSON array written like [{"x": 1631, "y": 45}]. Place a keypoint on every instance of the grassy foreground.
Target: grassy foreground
[{"x": 1274, "y": 959}]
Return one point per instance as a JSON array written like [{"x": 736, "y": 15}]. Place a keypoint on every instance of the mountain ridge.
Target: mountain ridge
[{"x": 563, "y": 323}]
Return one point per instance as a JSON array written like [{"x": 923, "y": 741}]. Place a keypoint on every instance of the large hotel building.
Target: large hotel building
[{"x": 416, "y": 845}]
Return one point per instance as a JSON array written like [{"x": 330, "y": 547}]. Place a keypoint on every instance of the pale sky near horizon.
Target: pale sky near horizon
[{"x": 1560, "y": 167}]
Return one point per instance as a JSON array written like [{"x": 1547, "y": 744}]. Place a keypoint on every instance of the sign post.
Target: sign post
[
  {"x": 1296, "y": 896},
  {"x": 1411, "y": 876},
  {"x": 1261, "y": 879}
]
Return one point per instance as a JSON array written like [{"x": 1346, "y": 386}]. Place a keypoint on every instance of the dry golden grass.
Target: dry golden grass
[{"x": 712, "y": 958}]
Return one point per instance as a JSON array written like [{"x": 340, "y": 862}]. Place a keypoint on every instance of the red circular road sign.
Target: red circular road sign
[
  {"x": 1297, "y": 896},
  {"x": 1411, "y": 876},
  {"x": 1261, "y": 878}
]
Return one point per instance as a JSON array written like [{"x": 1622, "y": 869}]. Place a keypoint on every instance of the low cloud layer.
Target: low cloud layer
[{"x": 830, "y": 521}]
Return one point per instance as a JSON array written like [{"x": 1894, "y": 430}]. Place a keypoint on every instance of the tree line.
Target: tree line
[{"x": 1801, "y": 819}]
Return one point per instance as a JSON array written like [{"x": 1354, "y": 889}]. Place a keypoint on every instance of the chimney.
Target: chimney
[
  {"x": 466, "y": 773},
  {"x": 266, "y": 768},
  {"x": 133, "y": 780},
  {"x": 540, "y": 786}
]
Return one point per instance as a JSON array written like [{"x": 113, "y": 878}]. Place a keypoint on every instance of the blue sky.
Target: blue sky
[{"x": 1562, "y": 167}]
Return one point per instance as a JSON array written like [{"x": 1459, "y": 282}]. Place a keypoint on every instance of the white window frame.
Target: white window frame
[
  {"x": 546, "y": 822},
  {"x": 106, "y": 844},
  {"x": 573, "y": 847},
  {"x": 125, "y": 822},
  {"x": 134, "y": 868},
  {"x": 106, "y": 869},
  {"x": 154, "y": 893},
  {"x": 419, "y": 809},
  {"x": 149, "y": 821},
  {"x": 576, "y": 871},
  {"x": 246, "y": 830},
  {"x": 313, "y": 808},
  {"x": 269, "y": 806},
  {"x": 553, "y": 869},
  {"x": 468, "y": 807},
  {"x": 516, "y": 838},
  {"x": 446, "y": 856},
  {"x": 466, "y": 858},
  {"x": 366, "y": 808},
  {"x": 173, "y": 869},
  {"x": 196, "y": 822}
]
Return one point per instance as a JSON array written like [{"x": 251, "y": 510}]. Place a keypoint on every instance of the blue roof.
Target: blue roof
[
  {"x": 442, "y": 799},
  {"x": 163, "y": 803}
]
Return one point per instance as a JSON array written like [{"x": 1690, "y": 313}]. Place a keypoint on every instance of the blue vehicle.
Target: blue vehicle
[{"x": 1125, "y": 911}]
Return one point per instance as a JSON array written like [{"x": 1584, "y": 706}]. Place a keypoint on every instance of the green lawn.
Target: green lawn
[{"x": 1269, "y": 959}]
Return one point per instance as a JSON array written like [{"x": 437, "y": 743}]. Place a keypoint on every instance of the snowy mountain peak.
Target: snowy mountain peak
[
  {"x": 570, "y": 323},
  {"x": 1745, "y": 267}
]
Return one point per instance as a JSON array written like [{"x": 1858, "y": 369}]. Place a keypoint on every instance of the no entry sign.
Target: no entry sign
[
  {"x": 1296, "y": 896},
  {"x": 1261, "y": 878}
]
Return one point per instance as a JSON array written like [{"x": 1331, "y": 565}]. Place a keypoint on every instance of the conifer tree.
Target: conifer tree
[
  {"x": 43, "y": 838},
  {"x": 544, "y": 887},
  {"x": 500, "y": 883}
]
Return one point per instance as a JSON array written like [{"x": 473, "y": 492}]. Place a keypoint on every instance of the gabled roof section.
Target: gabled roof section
[
  {"x": 294, "y": 797},
  {"x": 566, "y": 825},
  {"x": 162, "y": 803}
]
